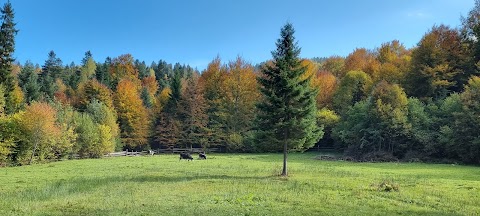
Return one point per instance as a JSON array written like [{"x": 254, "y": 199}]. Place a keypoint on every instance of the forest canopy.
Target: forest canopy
[{"x": 384, "y": 103}]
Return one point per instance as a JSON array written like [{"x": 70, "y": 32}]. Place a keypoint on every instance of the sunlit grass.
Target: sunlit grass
[{"x": 237, "y": 184}]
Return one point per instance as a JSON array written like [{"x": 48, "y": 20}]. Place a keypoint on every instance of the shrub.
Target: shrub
[{"x": 387, "y": 186}]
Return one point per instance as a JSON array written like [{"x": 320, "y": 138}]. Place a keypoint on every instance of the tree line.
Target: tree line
[{"x": 387, "y": 103}]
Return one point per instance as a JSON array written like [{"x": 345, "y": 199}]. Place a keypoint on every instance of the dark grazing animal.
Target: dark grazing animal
[
  {"x": 185, "y": 156},
  {"x": 202, "y": 156}
]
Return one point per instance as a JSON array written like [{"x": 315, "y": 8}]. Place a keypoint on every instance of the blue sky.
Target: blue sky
[{"x": 195, "y": 32}]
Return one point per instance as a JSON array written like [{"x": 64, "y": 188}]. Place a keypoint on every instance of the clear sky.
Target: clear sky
[{"x": 194, "y": 32}]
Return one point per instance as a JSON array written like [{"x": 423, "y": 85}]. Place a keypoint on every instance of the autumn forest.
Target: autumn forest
[{"x": 376, "y": 104}]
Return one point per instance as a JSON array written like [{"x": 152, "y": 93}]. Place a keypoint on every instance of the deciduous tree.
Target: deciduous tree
[
  {"x": 123, "y": 67},
  {"x": 212, "y": 82},
  {"x": 354, "y": 87},
  {"x": 436, "y": 64},
  {"x": 38, "y": 122},
  {"x": 132, "y": 115},
  {"x": 241, "y": 95},
  {"x": 327, "y": 85}
]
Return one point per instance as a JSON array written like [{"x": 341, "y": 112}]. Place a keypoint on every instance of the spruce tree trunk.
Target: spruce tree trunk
[{"x": 284, "y": 171}]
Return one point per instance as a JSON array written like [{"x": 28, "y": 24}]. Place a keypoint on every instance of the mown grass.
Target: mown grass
[{"x": 237, "y": 184}]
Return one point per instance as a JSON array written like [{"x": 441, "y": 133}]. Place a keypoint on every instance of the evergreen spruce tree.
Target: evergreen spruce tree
[
  {"x": 102, "y": 72},
  {"x": 7, "y": 47},
  {"x": 168, "y": 125},
  {"x": 162, "y": 71},
  {"x": 286, "y": 115},
  {"x": 28, "y": 80},
  {"x": 146, "y": 98},
  {"x": 142, "y": 69},
  {"x": 2, "y": 101},
  {"x": 88, "y": 56},
  {"x": 51, "y": 71}
]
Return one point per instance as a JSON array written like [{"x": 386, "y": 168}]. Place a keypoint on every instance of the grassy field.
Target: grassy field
[{"x": 237, "y": 184}]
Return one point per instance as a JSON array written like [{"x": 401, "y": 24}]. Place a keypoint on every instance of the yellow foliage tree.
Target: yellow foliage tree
[
  {"x": 132, "y": 115},
  {"x": 241, "y": 94},
  {"x": 41, "y": 131}
]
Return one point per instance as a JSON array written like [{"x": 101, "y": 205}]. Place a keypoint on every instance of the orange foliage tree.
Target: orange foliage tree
[
  {"x": 363, "y": 60},
  {"x": 132, "y": 115},
  {"x": 193, "y": 114},
  {"x": 327, "y": 84}
]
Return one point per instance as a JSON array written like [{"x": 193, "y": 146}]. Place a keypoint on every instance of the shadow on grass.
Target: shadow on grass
[{"x": 64, "y": 188}]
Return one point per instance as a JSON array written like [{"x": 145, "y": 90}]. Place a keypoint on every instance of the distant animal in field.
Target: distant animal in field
[
  {"x": 151, "y": 152},
  {"x": 202, "y": 156},
  {"x": 185, "y": 156}
]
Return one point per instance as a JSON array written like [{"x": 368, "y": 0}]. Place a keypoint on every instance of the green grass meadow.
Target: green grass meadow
[{"x": 237, "y": 184}]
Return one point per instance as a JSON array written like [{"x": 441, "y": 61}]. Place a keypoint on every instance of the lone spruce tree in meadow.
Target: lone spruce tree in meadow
[{"x": 286, "y": 116}]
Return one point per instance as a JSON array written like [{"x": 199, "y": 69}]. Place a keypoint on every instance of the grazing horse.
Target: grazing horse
[{"x": 185, "y": 156}]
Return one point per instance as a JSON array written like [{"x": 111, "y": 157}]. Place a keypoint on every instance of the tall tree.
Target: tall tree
[
  {"x": 437, "y": 64},
  {"x": 41, "y": 131},
  {"x": 327, "y": 84},
  {"x": 51, "y": 70},
  {"x": 168, "y": 127},
  {"x": 132, "y": 115},
  {"x": 106, "y": 118},
  {"x": 150, "y": 88},
  {"x": 28, "y": 80},
  {"x": 88, "y": 68},
  {"x": 7, "y": 47},
  {"x": 163, "y": 71},
  {"x": 379, "y": 124},
  {"x": 212, "y": 82},
  {"x": 363, "y": 60},
  {"x": 470, "y": 33},
  {"x": 286, "y": 114},
  {"x": 194, "y": 116},
  {"x": 93, "y": 90},
  {"x": 241, "y": 94},
  {"x": 354, "y": 87},
  {"x": 335, "y": 65},
  {"x": 394, "y": 61},
  {"x": 102, "y": 72},
  {"x": 123, "y": 67},
  {"x": 143, "y": 70},
  {"x": 465, "y": 142},
  {"x": 2, "y": 100}
]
